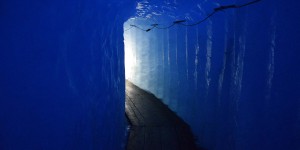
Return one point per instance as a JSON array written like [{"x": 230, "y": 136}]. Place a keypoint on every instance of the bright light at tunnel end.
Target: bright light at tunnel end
[{"x": 130, "y": 56}]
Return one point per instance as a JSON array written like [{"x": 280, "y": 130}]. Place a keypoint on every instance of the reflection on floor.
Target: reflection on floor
[{"x": 153, "y": 125}]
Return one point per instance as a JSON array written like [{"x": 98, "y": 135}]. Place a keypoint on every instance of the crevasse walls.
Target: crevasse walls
[
  {"x": 62, "y": 74},
  {"x": 233, "y": 78}
]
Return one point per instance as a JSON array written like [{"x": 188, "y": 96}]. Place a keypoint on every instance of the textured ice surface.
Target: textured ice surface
[
  {"x": 234, "y": 78},
  {"x": 62, "y": 74}
]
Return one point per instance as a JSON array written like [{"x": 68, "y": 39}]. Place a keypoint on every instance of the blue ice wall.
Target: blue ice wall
[
  {"x": 233, "y": 78},
  {"x": 62, "y": 74}
]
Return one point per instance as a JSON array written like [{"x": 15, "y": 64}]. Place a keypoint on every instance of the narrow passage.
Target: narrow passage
[{"x": 153, "y": 125}]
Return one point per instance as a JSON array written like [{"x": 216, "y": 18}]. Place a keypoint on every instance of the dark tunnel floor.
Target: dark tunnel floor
[{"x": 153, "y": 125}]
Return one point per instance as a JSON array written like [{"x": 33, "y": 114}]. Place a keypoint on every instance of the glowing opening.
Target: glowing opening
[{"x": 130, "y": 53}]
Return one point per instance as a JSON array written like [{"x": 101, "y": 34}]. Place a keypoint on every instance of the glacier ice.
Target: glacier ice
[
  {"x": 234, "y": 78},
  {"x": 62, "y": 77}
]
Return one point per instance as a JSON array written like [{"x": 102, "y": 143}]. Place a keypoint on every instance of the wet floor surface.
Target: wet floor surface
[{"x": 153, "y": 125}]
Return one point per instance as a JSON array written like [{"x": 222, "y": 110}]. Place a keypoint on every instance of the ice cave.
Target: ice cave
[{"x": 229, "y": 69}]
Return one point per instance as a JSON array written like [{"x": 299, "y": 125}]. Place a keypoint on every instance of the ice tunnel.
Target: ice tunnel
[{"x": 234, "y": 78}]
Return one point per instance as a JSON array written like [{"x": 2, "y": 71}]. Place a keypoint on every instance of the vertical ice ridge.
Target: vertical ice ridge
[
  {"x": 226, "y": 54},
  {"x": 208, "y": 54},
  {"x": 176, "y": 47},
  {"x": 163, "y": 47},
  {"x": 186, "y": 53},
  {"x": 196, "y": 59},
  {"x": 270, "y": 68},
  {"x": 164, "y": 70},
  {"x": 168, "y": 38},
  {"x": 238, "y": 70},
  {"x": 136, "y": 56}
]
